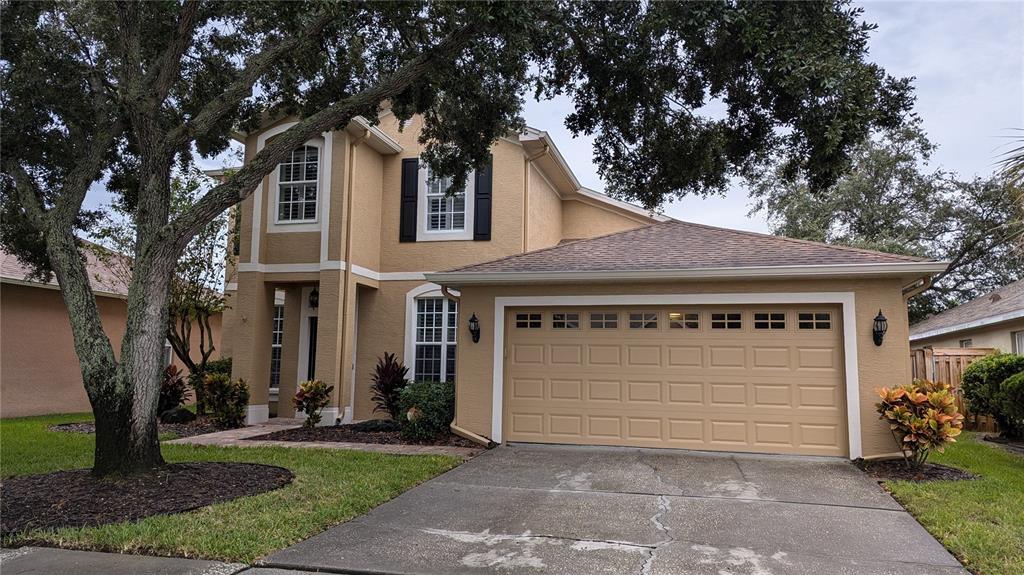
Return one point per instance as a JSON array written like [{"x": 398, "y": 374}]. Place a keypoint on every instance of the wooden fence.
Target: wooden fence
[{"x": 946, "y": 364}]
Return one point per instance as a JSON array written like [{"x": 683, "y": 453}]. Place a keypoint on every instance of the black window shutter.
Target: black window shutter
[
  {"x": 482, "y": 204},
  {"x": 410, "y": 193}
]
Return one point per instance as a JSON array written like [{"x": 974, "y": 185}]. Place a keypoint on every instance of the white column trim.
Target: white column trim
[{"x": 846, "y": 299}]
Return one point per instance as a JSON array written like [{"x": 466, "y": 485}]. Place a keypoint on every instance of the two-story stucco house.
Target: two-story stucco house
[{"x": 599, "y": 323}]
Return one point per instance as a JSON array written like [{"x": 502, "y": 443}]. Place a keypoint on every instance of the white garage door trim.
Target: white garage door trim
[{"x": 846, "y": 299}]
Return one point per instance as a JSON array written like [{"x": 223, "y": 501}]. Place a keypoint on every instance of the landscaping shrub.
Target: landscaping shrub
[
  {"x": 195, "y": 379},
  {"x": 389, "y": 379},
  {"x": 922, "y": 417},
  {"x": 1013, "y": 399},
  {"x": 428, "y": 408},
  {"x": 310, "y": 399},
  {"x": 985, "y": 390},
  {"x": 173, "y": 390},
  {"x": 226, "y": 399}
]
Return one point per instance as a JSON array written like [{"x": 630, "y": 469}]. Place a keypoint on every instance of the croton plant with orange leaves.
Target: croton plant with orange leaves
[{"x": 922, "y": 417}]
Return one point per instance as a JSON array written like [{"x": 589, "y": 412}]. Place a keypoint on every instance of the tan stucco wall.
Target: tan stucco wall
[
  {"x": 584, "y": 220},
  {"x": 998, "y": 336},
  {"x": 544, "y": 212},
  {"x": 39, "y": 370},
  {"x": 878, "y": 366}
]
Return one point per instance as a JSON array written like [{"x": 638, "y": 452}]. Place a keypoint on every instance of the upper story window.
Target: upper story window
[
  {"x": 445, "y": 211},
  {"x": 297, "y": 182},
  {"x": 444, "y": 215}
]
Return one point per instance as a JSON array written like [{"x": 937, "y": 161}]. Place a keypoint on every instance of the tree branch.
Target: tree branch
[
  {"x": 242, "y": 183},
  {"x": 241, "y": 88},
  {"x": 166, "y": 71}
]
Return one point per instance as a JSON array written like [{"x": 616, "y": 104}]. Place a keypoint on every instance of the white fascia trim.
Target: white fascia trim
[
  {"x": 846, "y": 299},
  {"x": 969, "y": 325},
  {"x": 534, "y": 134},
  {"x": 888, "y": 269},
  {"x": 378, "y": 140},
  {"x": 312, "y": 267}
]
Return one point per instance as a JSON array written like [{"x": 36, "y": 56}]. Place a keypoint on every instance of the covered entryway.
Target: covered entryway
[{"x": 759, "y": 378}]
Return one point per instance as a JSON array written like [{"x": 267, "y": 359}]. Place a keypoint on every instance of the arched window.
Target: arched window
[
  {"x": 297, "y": 185},
  {"x": 437, "y": 320}
]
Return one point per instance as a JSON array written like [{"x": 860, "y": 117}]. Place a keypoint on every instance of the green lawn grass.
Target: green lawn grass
[
  {"x": 980, "y": 521},
  {"x": 330, "y": 487}
]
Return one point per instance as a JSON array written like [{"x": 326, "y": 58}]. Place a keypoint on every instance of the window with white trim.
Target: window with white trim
[
  {"x": 528, "y": 320},
  {"x": 965, "y": 343},
  {"x": 728, "y": 320},
  {"x": 297, "y": 182},
  {"x": 814, "y": 320},
  {"x": 604, "y": 320},
  {"x": 1018, "y": 342},
  {"x": 445, "y": 212},
  {"x": 276, "y": 341},
  {"x": 437, "y": 321},
  {"x": 643, "y": 320},
  {"x": 683, "y": 320},
  {"x": 770, "y": 320},
  {"x": 565, "y": 320}
]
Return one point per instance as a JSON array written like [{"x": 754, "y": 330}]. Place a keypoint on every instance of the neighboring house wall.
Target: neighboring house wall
[
  {"x": 879, "y": 366},
  {"x": 40, "y": 372},
  {"x": 998, "y": 336}
]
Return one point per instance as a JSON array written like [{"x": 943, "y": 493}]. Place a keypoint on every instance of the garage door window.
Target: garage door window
[
  {"x": 528, "y": 320},
  {"x": 643, "y": 320},
  {"x": 565, "y": 320},
  {"x": 601, "y": 320},
  {"x": 732, "y": 320},
  {"x": 816, "y": 320},
  {"x": 683, "y": 320},
  {"x": 769, "y": 320},
  {"x": 436, "y": 327}
]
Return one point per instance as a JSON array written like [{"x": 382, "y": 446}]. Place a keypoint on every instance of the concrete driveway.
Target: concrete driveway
[{"x": 552, "y": 509}]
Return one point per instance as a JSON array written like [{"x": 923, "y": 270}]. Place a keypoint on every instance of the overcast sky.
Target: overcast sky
[{"x": 968, "y": 61}]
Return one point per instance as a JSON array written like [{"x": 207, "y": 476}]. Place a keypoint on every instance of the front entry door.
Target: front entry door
[{"x": 311, "y": 369}]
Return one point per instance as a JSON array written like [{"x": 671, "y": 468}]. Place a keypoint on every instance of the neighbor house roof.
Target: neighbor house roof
[
  {"x": 1001, "y": 305},
  {"x": 103, "y": 278},
  {"x": 675, "y": 249}
]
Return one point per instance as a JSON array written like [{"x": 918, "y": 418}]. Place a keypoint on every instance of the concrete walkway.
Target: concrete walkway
[
  {"x": 239, "y": 438},
  {"x": 568, "y": 510},
  {"x": 45, "y": 561}
]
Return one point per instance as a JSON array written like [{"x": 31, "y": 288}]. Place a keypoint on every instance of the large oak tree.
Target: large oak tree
[{"x": 680, "y": 97}]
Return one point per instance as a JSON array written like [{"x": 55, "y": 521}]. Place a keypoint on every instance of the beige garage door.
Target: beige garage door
[{"x": 733, "y": 378}]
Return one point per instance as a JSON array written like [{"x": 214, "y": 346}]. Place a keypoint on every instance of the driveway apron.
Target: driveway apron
[{"x": 554, "y": 509}]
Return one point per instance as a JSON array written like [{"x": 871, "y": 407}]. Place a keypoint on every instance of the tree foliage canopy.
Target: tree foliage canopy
[
  {"x": 891, "y": 201},
  {"x": 679, "y": 96}
]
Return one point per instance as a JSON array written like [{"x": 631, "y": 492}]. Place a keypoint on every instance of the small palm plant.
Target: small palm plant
[
  {"x": 389, "y": 379},
  {"x": 922, "y": 417}
]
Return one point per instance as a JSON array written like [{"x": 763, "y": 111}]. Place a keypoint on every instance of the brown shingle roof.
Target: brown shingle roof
[
  {"x": 1004, "y": 301},
  {"x": 101, "y": 276},
  {"x": 676, "y": 245}
]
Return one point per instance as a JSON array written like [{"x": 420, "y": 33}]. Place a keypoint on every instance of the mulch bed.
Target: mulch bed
[
  {"x": 200, "y": 426},
  {"x": 346, "y": 433},
  {"x": 1013, "y": 445},
  {"x": 78, "y": 499},
  {"x": 897, "y": 470}
]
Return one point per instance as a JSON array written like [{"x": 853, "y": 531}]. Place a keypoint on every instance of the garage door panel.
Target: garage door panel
[{"x": 745, "y": 390}]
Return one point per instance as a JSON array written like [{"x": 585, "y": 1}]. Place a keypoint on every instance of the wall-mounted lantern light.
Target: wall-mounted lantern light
[
  {"x": 314, "y": 299},
  {"x": 879, "y": 328},
  {"x": 474, "y": 328}
]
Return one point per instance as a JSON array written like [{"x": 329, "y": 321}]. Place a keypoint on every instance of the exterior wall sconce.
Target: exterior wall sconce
[
  {"x": 474, "y": 328},
  {"x": 879, "y": 328},
  {"x": 314, "y": 298}
]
